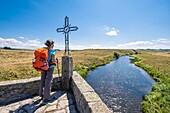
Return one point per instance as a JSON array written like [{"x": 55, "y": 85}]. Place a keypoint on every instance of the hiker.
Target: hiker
[{"x": 47, "y": 76}]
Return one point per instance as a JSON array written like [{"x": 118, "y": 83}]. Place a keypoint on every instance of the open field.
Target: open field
[
  {"x": 17, "y": 64},
  {"x": 158, "y": 60}
]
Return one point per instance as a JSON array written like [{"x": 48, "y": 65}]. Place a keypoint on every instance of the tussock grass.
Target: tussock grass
[
  {"x": 17, "y": 64},
  {"x": 156, "y": 64}
]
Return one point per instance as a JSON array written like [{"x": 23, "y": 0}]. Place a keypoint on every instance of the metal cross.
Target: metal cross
[{"x": 67, "y": 28}]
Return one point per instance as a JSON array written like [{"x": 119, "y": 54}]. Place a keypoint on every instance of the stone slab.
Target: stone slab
[{"x": 59, "y": 104}]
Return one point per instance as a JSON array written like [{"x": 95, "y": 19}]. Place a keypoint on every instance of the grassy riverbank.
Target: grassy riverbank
[
  {"x": 90, "y": 59},
  {"x": 157, "y": 65},
  {"x": 17, "y": 64}
]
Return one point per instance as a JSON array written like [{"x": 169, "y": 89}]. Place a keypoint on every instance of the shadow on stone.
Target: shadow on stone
[
  {"x": 17, "y": 100},
  {"x": 38, "y": 104},
  {"x": 28, "y": 108},
  {"x": 71, "y": 102}
]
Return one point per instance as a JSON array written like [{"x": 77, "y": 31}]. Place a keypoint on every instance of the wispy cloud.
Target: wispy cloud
[
  {"x": 161, "y": 40},
  {"x": 61, "y": 46},
  {"x": 96, "y": 45},
  {"x": 136, "y": 44},
  {"x": 111, "y": 31},
  {"x": 161, "y": 43},
  {"x": 77, "y": 47},
  {"x": 21, "y": 37},
  {"x": 33, "y": 44}
]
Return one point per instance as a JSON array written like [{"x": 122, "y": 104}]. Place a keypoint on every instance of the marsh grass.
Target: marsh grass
[
  {"x": 89, "y": 59},
  {"x": 156, "y": 63}
]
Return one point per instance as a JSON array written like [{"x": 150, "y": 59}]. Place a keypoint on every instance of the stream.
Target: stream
[{"x": 121, "y": 85}]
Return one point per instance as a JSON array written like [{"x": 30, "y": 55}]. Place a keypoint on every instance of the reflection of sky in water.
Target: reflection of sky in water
[{"x": 121, "y": 85}]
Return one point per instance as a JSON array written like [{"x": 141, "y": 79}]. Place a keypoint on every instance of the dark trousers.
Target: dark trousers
[{"x": 45, "y": 83}]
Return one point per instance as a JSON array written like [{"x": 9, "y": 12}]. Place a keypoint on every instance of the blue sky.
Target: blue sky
[{"x": 123, "y": 24}]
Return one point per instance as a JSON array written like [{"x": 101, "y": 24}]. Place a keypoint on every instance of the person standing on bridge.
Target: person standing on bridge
[{"x": 47, "y": 76}]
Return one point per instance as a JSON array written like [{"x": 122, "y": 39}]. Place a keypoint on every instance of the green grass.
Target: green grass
[
  {"x": 158, "y": 100},
  {"x": 83, "y": 70}
]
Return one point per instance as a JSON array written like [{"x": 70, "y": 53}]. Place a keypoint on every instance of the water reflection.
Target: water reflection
[{"x": 121, "y": 85}]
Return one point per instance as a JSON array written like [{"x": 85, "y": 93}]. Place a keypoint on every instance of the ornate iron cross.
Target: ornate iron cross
[{"x": 67, "y": 28}]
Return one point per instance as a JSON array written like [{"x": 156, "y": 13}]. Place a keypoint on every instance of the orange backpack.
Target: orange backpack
[{"x": 40, "y": 61}]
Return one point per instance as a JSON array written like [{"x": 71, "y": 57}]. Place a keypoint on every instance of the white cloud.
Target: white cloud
[
  {"x": 96, "y": 45},
  {"x": 106, "y": 27},
  {"x": 21, "y": 37},
  {"x": 59, "y": 46},
  {"x": 33, "y": 42},
  {"x": 161, "y": 40},
  {"x": 137, "y": 43},
  {"x": 111, "y": 31},
  {"x": 161, "y": 43},
  {"x": 77, "y": 47},
  {"x": 153, "y": 44},
  {"x": 13, "y": 43},
  {"x": 164, "y": 43},
  {"x": 10, "y": 42}
]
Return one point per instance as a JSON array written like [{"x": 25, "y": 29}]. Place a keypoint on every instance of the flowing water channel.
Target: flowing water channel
[{"x": 121, "y": 85}]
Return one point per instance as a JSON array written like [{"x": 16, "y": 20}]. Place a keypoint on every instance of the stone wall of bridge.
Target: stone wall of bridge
[
  {"x": 15, "y": 90},
  {"x": 87, "y": 100}
]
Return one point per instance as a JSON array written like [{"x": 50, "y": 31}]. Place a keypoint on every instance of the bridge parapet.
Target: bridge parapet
[
  {"x": 14, "y": 90},
  {"x": 87, "y": 100}
]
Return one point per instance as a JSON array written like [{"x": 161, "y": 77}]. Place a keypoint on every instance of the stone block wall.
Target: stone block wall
[
  {"x": 14, "y": 90},
  {"x": 87, "y": 100}
]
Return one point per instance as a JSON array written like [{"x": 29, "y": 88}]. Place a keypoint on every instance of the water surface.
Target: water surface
[{"x": 121, "y": 85}]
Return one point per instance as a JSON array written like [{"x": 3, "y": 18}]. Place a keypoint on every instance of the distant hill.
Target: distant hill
[
  {"x": 168, "y": 50},
  {"x": 9, "y": 48}
]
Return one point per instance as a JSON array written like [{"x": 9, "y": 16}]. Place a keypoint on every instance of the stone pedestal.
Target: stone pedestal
[{"x": 67, "y": 72}]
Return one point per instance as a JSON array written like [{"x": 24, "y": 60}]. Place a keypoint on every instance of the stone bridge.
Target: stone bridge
[{"x": 70, "y": 94}]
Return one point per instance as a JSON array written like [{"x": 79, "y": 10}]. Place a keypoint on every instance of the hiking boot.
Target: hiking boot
[{"x": 46, "y": 101}]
